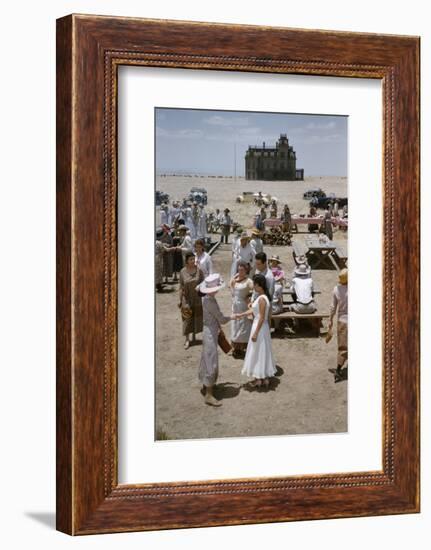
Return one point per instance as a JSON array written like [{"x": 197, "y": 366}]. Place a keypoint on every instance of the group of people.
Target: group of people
[
  {"x": 193, "y": 216},
  {"x": 256, "y": 287},
  {"x": 259, "y": 364}
]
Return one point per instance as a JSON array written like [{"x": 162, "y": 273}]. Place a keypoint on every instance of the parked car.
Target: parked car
[
  {"x": 199, "y": 195},
  {"x": 161, "y": 197},
  {"x": 310, "y": 193}
]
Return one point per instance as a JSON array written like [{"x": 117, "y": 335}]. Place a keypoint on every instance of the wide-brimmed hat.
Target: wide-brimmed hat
[
  {"x": 342, "y": 276},
  {"x": 302, "y": 269},
  {"x": 255, "y": 231},
  {"x": 275, "y": 258},
  {"x": 183, "y": 228},
  {"x": 212, "y": 284},
  {"x": 244, "y": 235},
  {"x": 301, "y": 259},
  {"x": 226, "y": 210}
]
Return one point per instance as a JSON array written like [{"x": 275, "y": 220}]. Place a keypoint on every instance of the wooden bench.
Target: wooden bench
[
  {"x": 315, "y": 318},
  {"x": 340, "y": 257}
]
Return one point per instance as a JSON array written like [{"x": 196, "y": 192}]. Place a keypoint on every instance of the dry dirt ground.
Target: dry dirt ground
[{"x": 303, "y": 398}]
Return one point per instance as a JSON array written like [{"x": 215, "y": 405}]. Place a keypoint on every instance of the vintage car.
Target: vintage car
[
  {"x": 199, "y": 195},
  {"x": 161, "y": 197},
  {"x": 310, "y": 193}
]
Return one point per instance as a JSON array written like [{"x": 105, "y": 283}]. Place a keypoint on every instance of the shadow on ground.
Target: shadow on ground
[{"x": 45, "y": 518}]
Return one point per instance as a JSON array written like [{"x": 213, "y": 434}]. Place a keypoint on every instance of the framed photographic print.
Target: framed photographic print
[{"x": 219, "y": 190}]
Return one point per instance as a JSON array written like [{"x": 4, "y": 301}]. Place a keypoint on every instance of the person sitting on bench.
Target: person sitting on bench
[{"x": 302, "y": 285}]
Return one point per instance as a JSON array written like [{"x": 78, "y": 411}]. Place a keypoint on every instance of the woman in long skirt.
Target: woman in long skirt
[
  {"x": 168, "y": 259},
  {"x": 212, "y": 319},
  {"x": 259, "y": 362},
  {"x": 190, "y": 302},
  {"x": 241, "y": 288}
]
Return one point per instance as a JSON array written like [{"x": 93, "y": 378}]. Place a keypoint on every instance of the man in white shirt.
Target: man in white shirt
[
  {"x": 261, "y": 264},
  {"x": 340, "y": 305},
  {"x": 302, "y": 285},
  {"x": 256, "y": 241},
  {"x": 243, "y": 252}
]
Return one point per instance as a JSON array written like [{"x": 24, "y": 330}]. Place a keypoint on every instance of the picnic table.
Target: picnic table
[
  {"x": 320, "y": 252},
  {"x": 315, "y": 319},
  {"x": 304, "y": 220}
]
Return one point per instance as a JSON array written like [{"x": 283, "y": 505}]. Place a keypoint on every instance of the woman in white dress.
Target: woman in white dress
[
  {"x": 202, "y": 227},
  {"x": 259, "y": 362},
  {"x": 188, "y": 221},
  {"x": 202, "y": 259},
  {"x": 241, "y": 288},
  {"x": 164, "y": 214}
]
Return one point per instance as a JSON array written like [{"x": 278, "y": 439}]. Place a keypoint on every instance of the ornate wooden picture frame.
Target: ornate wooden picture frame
[{"x": 89, "y": 51}]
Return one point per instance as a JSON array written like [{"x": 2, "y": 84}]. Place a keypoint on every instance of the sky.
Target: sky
[{"x": 206, "y": 142}]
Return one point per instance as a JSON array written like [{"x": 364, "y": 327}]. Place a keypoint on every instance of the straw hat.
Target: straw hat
[
  {"x": 342, "y": 276},
  {"x": 212, "y": 284},
  {"x": 302, "y": 269},
  {"x": 183, "y": 228},
  {"x": 255, "y": 231},
  {"x": 301, "y": 259},
  {"x": 275, "y": 258},
  {"x": 244, "y": 235}
]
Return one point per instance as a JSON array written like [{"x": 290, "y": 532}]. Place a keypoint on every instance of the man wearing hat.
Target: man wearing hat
[
  {"x": 243, "y": 252},
  {"x": 226, "y": 222},
  {"x": 340, "y": 306},
  {"x": 302, "y": 285},
  {"x": 213, "y": 318},
  {"x": 256, "y": 241}
]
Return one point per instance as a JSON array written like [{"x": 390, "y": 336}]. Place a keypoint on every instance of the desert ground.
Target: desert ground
[{"x": 303, "y": 398}]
